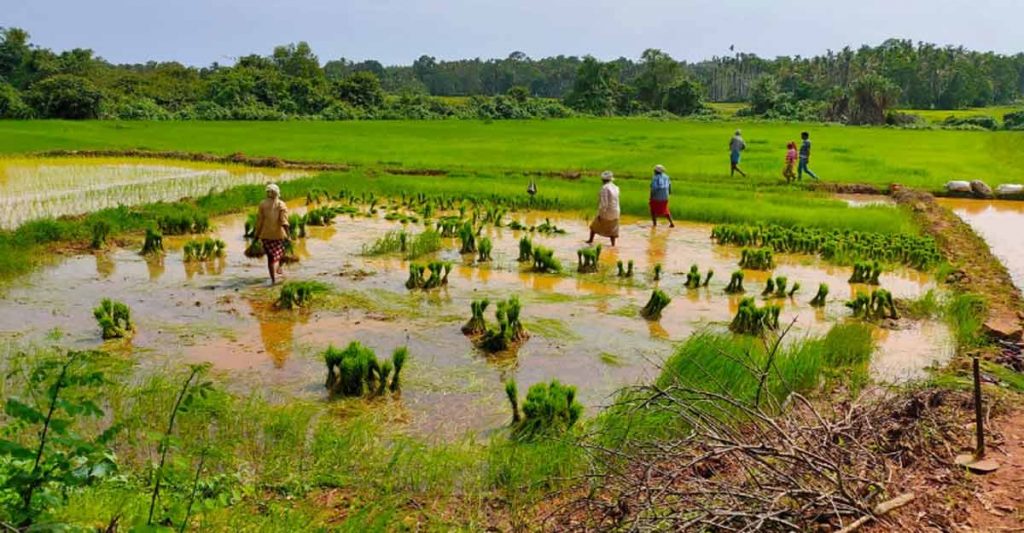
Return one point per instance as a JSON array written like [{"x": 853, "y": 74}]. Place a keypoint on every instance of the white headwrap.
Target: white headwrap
[
  {"x": 607, "y": 175},
  {"x": 272, "y": 187}
]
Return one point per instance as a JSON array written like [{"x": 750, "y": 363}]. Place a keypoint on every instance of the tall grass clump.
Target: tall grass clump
[
  {"x": 300, "y": 293},
  {"x": 356, "y": 372},
  {"x": 114, "y": 318},
  {"x": 965, "y": 314},
  {"x": 550, "y": 409}
]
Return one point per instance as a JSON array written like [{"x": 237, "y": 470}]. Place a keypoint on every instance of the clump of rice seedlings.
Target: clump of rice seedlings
[
  {"x": 548, "y": 228},
  {"x": 114, "y": 318},
  {"x": 100, "y": 231},
  {"x": 753, "y": 320},
  {"x": 658, "y": 302},
  {"x": 290, "y": 256},
  {"x": 792, "y": 291},
  {"x": 300, "y": 293},
  {"x": 255, "y": 249},
  {"x": 467, "y": 238},
  {"x": 204, "y": 249},
  {"x": 448, "y": 227},
  {"x": 544, "y": 260},
  {"x": 693, "y": 277},
  {"x": 356, "y": 372},
  {"x": 781, "y": 283},
  {"x": 525, "y": 249},
  {"x": 154, "y": 243},
  {"x": 391, "y": 242},
  {"x": 866, "y": 272},
  {"x": 517, "y": 226},
  {"x": 757, "y": 259},
  {"x": 879, "y": 306},
  {"x": 439, "y": 271},
  {"x": 625, "y": 271},
  {"x": 735, "y": 285},
  {"x": 296, "y": 226},
  {"x": 707, "y": 277},
  {"x": 484, "y": 250},
  {"x": 512, "y": 393},
  {"x": 549, "y": 409},
  {"x": 183, "y": 223},
  {"x": 317, "y": 196},
  {"x": 819, "y": 298},
  {"x": 769, "y": 288},
  {"x": 509, "y": 331},
  {"x": 320, "y": 216},
  {"x": 657, "y": 271},
  {"x": 588, "y": 258},
  {"x": 250, "y": 225},
  {"x": 477, "y": 324}
]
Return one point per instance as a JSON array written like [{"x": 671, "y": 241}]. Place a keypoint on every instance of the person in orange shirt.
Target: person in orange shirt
[{"x": 272, "y": 229}]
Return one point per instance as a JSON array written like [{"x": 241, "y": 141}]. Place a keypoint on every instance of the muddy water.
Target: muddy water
[
  {"x": 585, "y": 328},
  {"x": 1001, "y": 224},
  {"x": 33, "y": 187}
]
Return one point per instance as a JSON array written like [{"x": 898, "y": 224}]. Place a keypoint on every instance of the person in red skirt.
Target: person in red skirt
[
  {"x": 661, "y": 188},
  {"x": 272, "y": 229}
]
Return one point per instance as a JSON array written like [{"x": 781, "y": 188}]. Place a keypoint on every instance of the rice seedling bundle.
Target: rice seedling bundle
[
  {"x": 757, "y": 259},
  {"x": 843, "y": 246},
  {"x": 549, "y": 409},
  {"x": 866, "y": 272},
  {"x": 356, "y": 372},
  {"x": 525, "y": 249},
  {"x": 693, "y": 277},
  {"x": 477, "y": 324},
  {"x": 707, "y": 277},
  {"x": 781, "y": 283},
  {"x": 250, "y": 225},
  {"x": 203, "y": 249},
  {"x": 320, "y": 216},
  {"x": 588, "y": 258},
  {"x": 879, "y": 306},
  {"x": 657, "y": 271},
  {"x": 317, "y": 196},
  {"x": 114, "y": 318},
  {"x": 517, "y": 226},
  {"x": 300, "y": 293},
  {"x": 100, "y": 231},
  {"x": 296, "y": 226},
  {"x": 655, "y": 305},
  {"x": 290, "y": 256},
  {"x": 819, "y": 297},
  {"x": 544, "y": 260},
  {"x": 512, "y": 393},
  {"x": 484, "y": 250},
  {"x": 753, "y": 320},
  {"x": 467, "y": 238},
  {"x": 735, "y": 285},
  {"x": 449, "y": 227},
  {"x": 509, "y": 330},
  {"x": 416, "y": 278},
  {"x": 183, "y": 223},
  {"x": 254, "y": 249},
  {"x": 792, "y": 291},
  {"x": 769, "y": 287},
  {"x": 154, "y": 243},
  {"x": 625, "y": 270},
  {"x": 548, "y": 228}
]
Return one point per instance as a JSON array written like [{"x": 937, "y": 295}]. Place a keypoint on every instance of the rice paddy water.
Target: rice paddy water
[{"x": 1000, "y": 223}]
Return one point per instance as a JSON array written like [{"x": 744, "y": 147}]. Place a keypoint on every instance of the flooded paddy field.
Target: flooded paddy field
[
  {"x": 585, "y": 328},
  {"x": 1001, "y": 224},
  {"x": 32, "y": 188}
]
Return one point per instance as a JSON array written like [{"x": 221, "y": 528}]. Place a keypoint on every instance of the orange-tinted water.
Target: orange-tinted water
[
  {"x": 1001, "y": 224},
  {"x": 219, "y": 312}
]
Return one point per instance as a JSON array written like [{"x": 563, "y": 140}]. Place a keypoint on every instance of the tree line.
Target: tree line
[{"x": 854, "y": 86}]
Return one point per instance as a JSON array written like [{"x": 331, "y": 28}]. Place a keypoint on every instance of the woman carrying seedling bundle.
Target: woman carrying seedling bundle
[
  {"x": 661, "y": 188},
  {"x": 606, "y": 223},
  {"x": 272, "y": 229}
]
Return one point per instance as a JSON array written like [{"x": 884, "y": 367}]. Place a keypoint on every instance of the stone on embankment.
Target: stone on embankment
[
  {"x": 981, "y": 189},
  {"x": 1006, "y": 327}
]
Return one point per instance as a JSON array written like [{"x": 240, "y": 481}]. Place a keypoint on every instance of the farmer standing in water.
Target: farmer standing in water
[
  {"x": 736, "y": 145},
  {"x": 272, "y": 229},
  {"x": 661, "y": 188},
  {"x": 606, "y": 223}
]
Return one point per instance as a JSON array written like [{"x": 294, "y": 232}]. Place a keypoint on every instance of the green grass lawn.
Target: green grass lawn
[{"x": 690, "y": 149}]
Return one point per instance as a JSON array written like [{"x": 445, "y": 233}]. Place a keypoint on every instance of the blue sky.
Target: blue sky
[{"x": 199, "y": 32}]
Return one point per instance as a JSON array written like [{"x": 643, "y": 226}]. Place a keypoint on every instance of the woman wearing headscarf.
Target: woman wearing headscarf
[
  {"x": 606, "y": 223},
  {"x": 661, "y": 188},
  {"x": 272, "y": 229}
]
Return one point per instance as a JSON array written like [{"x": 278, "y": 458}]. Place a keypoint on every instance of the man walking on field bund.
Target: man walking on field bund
[
  {"x": 606, "y": 223},
  {"x": 272, "y": 229}
]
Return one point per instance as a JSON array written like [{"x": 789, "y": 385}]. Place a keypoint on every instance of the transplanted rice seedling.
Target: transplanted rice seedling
[
  {"x": 658, "y": 302},
  {"x": 154, "y": 243},
  {"x": 467, "y": 236},
  {"x": 693, "y": 277},
  {"x": 879, "y": 306},
  {"x": 320, "y": 216},
  {"x": 544, "y": 260},
  {"x": 317, "y": 196},
  {"x": 356, "y": 372},
  {"x": 793, "y": 289},
  {"x": 449, "y": 227},
  {"x": 517, "y": 226},
  {"x": 819, "y": 298},
  {"x": 183, "y": 222},
  {"x": 289, "y": 256},
  {"x": 548, "y": 228},
  {"x": 296, "y": 226},
  {"x": 753, "y": 320},
  {"x": 525, "y": 249},
  {"x": 757, "y": 259},
  {"x": 588, "y": 258},
  {"x": 114, "y": 318},
  {"x": 250, "y": 225},
  {"x": 839, "y": 246},
  {"x": 300, "y": 293},
  {"x": 657, "y": 271},
  {"x": 866, "y": 272},
  {"x": 735, "y": 285},
  {"x": 509, "y": 331},
  {"x": 477, "y": 324},
  {"x": 439, "y": 271},
  {"x": 204, "y": 249},
  {"x": 484, "y": 250},
  {"x": 627, "y": 271},
  {"x": 549, "y": 409},
  {"x": 512, "y": 393},
  {"x": 769, "y": 288},
  {"x": 781, "y": 284},
  {"x": 100, "y": 231}
]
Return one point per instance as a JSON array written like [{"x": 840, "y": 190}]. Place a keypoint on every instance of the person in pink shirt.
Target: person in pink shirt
[{"x": 791, "y": 155}]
